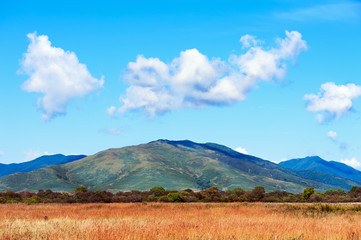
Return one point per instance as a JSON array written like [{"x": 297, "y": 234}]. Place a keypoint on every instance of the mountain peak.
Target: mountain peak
[
  {"x": 321, "y": 165},
  {"x": 171, "y": 164}
]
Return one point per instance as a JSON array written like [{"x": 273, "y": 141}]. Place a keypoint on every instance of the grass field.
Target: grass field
[{"x": 180, "y": 221}]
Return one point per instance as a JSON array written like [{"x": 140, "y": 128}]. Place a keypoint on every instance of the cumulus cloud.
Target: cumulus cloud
[
  {"x": 333, "y": 101},
  {"x": 192, "y": 80},
  {"x": 353, "y": 162},
  {"x": 332, "y": 135},
  {"x": 57, "y": 74},
  {"x": 241, "y": 150}
]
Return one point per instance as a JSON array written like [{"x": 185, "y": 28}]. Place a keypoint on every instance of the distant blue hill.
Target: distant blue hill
[
  {"x": 41, "y": 162},
  {"x": 321, "y": 165}
]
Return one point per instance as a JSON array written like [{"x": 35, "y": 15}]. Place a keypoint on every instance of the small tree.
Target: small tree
[
  {"x": 175, "y": 197},
  {"x": 307, "y": 192},
  {"x": 157, "y": 191},
  {"x": 81, "y": 189},
  {"x": 258, "y": 193},
  {"x": 355, "y": 192},
  {"x": 316, "y": 197}
]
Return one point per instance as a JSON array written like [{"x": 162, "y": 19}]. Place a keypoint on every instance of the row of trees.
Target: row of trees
[{"x": 159, "y": 194}]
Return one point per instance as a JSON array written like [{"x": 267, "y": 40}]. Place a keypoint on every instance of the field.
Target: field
[{"x": 180, "y": 221}]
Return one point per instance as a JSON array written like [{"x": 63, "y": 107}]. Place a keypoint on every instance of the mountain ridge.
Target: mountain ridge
[
  {"x": 321, "y": 165},
  {"x": 38, "y": 163},
  {"x": 174, "y": 165}
]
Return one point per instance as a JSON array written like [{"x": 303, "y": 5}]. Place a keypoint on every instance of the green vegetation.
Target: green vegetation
[
  {"x": 307, "y": 193},
  {"x": 159, "y": 194},
  {"x": 174, "y": 165}
]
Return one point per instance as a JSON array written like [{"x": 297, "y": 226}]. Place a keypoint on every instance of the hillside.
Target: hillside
[
  {"x": 172, "y": 164},
  {"x": 318, "y": 164},
  {"x": 41, "y": 162}
]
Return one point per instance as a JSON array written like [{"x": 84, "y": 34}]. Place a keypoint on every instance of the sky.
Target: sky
[{"x": 274, "y": 79}]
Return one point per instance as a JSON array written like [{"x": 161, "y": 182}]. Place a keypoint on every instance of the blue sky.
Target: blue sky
[{"x": 277, "y": 79}]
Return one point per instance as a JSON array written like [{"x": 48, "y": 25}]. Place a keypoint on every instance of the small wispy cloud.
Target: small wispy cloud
[
  {"x": 112, "y": 131},
  {"x": 347, "y": 11},
  {"x": 249, "y": 41},
  {"x": 332, "y": 135},
  {"x": 1, "y": 153},
  {"x": 343, "y": 146},
  {"x": 111, "y": 111}
]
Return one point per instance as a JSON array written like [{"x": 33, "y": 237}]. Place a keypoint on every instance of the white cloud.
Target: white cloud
[
  {"x": 241, "y": 150},
  {"x": 33, "y": 154},
  {"x": 1, "y": 153},
  {"x": 333, "y": 101},
  {"x": 353, "y": 162},
  {"x": 249, "y": 41},
  {"x": 57, "y": 74},
  {"x": 332, "y": 135},
  {"x": 193, "y": 80},
  {"x": 111, "y": 111}
]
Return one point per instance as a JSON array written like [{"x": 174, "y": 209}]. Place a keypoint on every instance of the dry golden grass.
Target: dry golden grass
[{"x": 173, "y": 221}]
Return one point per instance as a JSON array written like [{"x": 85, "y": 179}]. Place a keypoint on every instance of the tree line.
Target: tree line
[{"x": 159, "y": 194}]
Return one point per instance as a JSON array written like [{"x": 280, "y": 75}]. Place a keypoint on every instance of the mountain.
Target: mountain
[
  {"x": 174, "y": 165},
  {"x": 41, "y": 162},
  {"x": 321, "y": 165}
]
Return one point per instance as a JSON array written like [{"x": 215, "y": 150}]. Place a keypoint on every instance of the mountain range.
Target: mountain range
[
  {"x": 321, "y": 165},
  {"x": 174, "y": 165},
  {"x": 41, "y": 162}
]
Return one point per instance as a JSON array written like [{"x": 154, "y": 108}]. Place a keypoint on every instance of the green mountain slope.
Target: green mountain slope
[{"x": 172, "y": 164}]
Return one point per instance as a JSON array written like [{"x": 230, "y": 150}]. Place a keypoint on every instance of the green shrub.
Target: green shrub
[
  {"x": 164, "y": 199},
  {"x": 175, "y": 197},
  {"x": 81, "y": 189},
  {"x": 307, "y": 192},
  {"x": 157, "y": 191}
]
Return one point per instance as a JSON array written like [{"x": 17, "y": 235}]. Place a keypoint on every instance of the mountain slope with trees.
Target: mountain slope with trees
[{"x": 174, "y": 165}]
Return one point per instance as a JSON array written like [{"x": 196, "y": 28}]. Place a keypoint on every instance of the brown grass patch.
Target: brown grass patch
[{"x": 174, "y": 221}]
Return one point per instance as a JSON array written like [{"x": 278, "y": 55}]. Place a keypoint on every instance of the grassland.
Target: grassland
[{"x": 180, "y": 221}]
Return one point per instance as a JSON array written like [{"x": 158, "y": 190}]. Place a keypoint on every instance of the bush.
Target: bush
[
  {"x": 257, "y": 194},
  {"x": 164, "y": 199},
  {"x": 81, "y": 189},
  {"x": 317, "y": 197},
  {"x": 33, "y": 199},
  {"x": 175, "y": 197},
  {"x": 307, "y": 192},
  {"x": 157, "y": 191}
]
